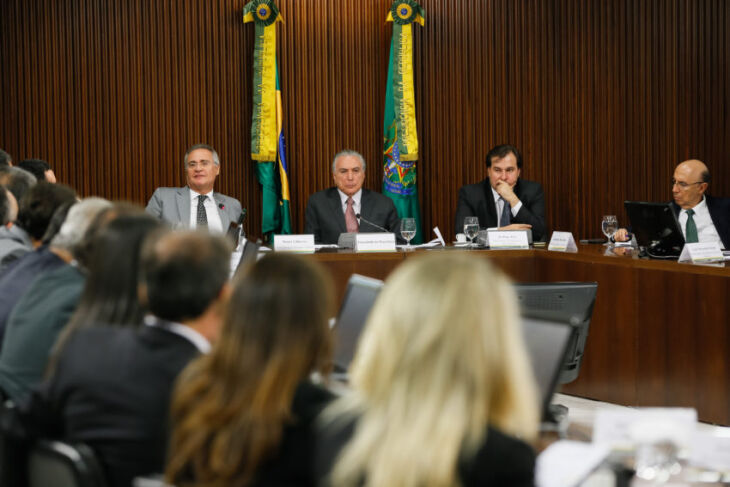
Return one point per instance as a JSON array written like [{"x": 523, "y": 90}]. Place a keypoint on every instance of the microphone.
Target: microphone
[
  {"x": 357, "y": 215},
  {"x": 233, "y": 232}
]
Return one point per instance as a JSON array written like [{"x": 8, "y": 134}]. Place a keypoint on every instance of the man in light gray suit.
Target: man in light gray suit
[{"x": 196, "y": 205}]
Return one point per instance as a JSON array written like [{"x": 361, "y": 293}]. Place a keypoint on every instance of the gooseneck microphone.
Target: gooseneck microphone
[{"x": 359, "y": 217}]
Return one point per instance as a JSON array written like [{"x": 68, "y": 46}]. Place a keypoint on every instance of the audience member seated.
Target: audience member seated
[
  {"x": 503, "y": 199},
  {"x": 38, "y": 168},
  {"x": 443, "y": 390},
  {"x": 14, "y": 241},
  {"x": 46, "y": 307},
  {"x": 36, "y": 211},
  {"x": 337, "y": 209},
  {"x": 5, "y": 159},
  {"x": 110, "y": 386},
  {"x": 17, "y": 181},
  {"x": 196, "y": 205},
  {"x": 702, "y": 218},
  {"x": 244, "y": 414}
]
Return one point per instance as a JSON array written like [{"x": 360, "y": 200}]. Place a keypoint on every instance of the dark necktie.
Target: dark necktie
[
  {"x": 202, "y": 215},
  {"x": 690, "y": 230},
  {"x": 506, "y": 216},
  {"x": 350, "y": 218}
]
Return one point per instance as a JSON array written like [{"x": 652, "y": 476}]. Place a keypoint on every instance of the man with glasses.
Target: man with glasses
[
  {"x": 702, "y": 218},
  {"x": 196, "y": 205}
]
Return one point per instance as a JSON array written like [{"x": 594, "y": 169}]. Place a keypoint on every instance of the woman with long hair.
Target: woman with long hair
[
  {"x": 242, "y": 415},
  {"x": 443, "y": 391}
]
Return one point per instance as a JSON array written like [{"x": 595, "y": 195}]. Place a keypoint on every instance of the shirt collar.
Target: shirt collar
[
  {"x": 198, "y": 340},
  {"x": 495, "y": 195},
  {"x": 194, "y": 194},
  {"x": 355, "y": 197},
  {"x": 701, "y": 206}
]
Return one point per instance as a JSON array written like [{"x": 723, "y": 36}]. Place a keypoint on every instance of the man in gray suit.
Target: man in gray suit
[
  {"x": 348, "y": 207},
  {"x": 196, "y": 205}
]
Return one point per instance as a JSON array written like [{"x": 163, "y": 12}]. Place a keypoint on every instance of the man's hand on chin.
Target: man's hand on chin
[{"x": 506, "y": 192}]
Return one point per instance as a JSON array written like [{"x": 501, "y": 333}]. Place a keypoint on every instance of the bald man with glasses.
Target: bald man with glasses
[{"x": 703, "y": 218}]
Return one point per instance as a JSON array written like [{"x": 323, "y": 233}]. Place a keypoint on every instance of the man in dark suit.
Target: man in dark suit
[
  {"x": 111, "y": 387},
  {"x": 196, "y": 205},
  {"x": 503, "y": 199},
  {"x": 702, "y": 218},
  {"x": 348, "y": 207}
]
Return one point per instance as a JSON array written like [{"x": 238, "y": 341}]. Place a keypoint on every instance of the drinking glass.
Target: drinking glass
[
  {"x": 609, "y": 226},
  {"x": 471, "y": 228},
  {"x": 408, "y": 230}
]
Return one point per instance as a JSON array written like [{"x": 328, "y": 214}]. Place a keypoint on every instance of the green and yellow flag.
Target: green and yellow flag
[
  {"x": 400, "y": 149},
  {"x": 267, "y": 134}
]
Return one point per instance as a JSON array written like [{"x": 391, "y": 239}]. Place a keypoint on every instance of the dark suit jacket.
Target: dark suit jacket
[
  {"x": 719, "y": 209},
  {"x": 326, "y": 220},
  {"x": 501, "y": 460},
  {"x": 476, "y": 200},
  {"x": 173, "y": 205},
  {"x": 33, "y": 327},
  {"x": 18, "y": 276},
  {"x": 111, "y": 390}
]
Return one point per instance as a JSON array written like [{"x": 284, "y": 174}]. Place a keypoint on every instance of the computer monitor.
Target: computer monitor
[
  {"x": 563, "y": 302},
  {"x": 656, "y": 228},
  {"x": 547, "y": 343},
  {"x": 359, "y": 299}
]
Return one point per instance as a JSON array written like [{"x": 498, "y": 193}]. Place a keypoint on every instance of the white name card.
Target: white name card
[
  {"x": 294, "y": 243},
  {"x": 618, "y": 427},
  {"x": 508, "y": 239},
  {"x": 562, "y": 242},
  {"x": 375, "y": 242},
  {"x": 711, "y": 450},
  {"x": 699, "y": 253}
]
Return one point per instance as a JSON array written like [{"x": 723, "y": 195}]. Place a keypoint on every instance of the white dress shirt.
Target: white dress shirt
[
  {"x": 198, "y": 340},
  {"x": 356, "y": 198},
  {"x": 214, "y": 218},
  {"x": 706, "y": 231},
  {"x": 499, "y": 203}
]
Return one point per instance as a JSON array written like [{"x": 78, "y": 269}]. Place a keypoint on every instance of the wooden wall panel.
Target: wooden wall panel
[{"x": 602, "y": 97}]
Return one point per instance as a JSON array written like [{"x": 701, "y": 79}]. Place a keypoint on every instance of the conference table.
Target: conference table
[{"x": 660, "y": 333}]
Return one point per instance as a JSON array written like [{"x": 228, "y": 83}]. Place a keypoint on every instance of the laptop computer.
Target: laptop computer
[
  {"x": 359, "y": 299},
  {"x": 547, "y": 343}
]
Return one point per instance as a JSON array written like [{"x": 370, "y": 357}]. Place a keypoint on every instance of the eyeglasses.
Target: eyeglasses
[
  {"x": 683, "y": 185},
  {"x": 196, "y": 164}
]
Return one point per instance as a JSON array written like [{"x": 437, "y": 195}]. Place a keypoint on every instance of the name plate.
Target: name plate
[
  {"x": 375, "y": 242},
  {"x": 699, "y": 253},
  {"x": 562, "y": 242},
  {"x": 294, "y": 243},
  {"x": 711, "y": 450},
  {"x": 508, "y": 239}
]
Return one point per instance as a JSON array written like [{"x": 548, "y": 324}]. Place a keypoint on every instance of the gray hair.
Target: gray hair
[
  {"x": 216, "y": 159},
  {"x": 77, "y": 221},
  {"x": 348, "y": 152},
  {"x": 17, "y": 181}
]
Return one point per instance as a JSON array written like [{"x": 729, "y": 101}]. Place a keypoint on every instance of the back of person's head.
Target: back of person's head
[
  {"x": 183, "y": 273},
  {"x": 440, "y": 359},
  {"x": 5, "y": 158},
  {"x": 230, "y": 407},
  {"x": 110, "y": 293},
  {"x": 37, "y": 167},
  {"x": 39, "y": 204},
  {"x": 72, "y": 231},
  {"x": 8, "y": 207},
  {"x": 17, "y": 181}
]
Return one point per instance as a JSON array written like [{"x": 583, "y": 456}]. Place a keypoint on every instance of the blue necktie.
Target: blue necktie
[{"x": 506, "y": 216}]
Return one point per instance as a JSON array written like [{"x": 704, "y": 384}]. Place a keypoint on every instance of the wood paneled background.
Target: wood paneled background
[{"x": 603, "y": 97}]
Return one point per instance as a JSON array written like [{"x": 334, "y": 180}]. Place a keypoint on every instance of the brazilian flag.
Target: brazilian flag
[
  {"x": 267, "y": 134},
  {"x": 400, "y": 139}
]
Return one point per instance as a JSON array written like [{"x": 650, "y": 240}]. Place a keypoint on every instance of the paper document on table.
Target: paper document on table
[
  {"x": 566, "y": 463},
  {"x": 326, "y": 246}
]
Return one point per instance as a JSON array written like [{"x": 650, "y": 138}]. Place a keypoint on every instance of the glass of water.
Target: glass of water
[
  {"x": 408, "y": 230},
  {"x": 471, "y": 228},
  {"x": 609, "y": 226}
]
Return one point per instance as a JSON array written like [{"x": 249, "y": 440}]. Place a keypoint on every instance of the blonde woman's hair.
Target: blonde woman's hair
[{"x": 442, "y": 357}]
